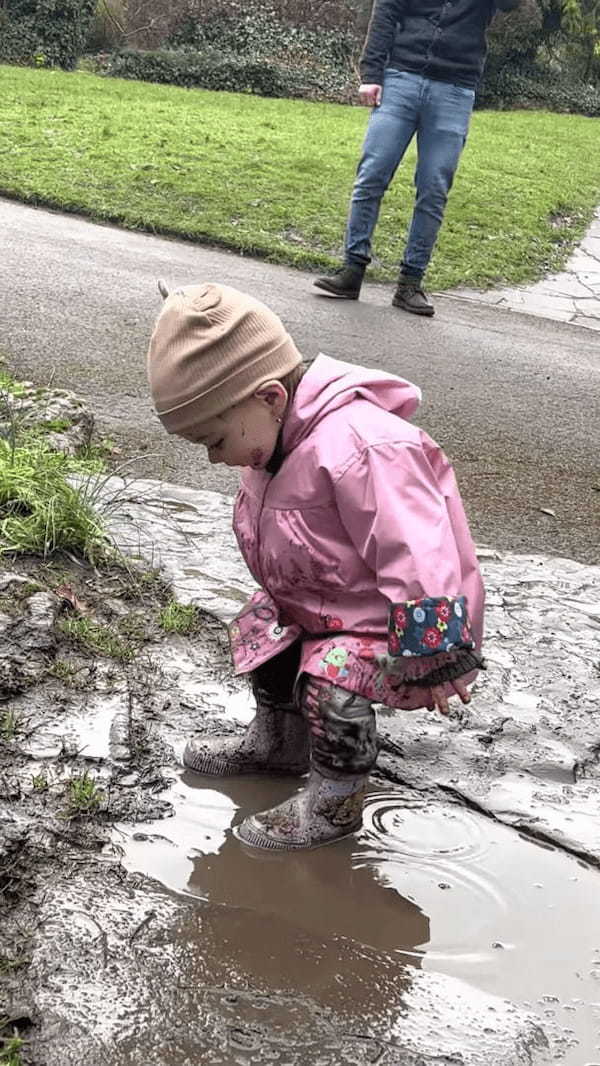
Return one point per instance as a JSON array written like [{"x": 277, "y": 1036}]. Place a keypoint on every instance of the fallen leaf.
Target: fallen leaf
[{"x": 68, "y": 597}]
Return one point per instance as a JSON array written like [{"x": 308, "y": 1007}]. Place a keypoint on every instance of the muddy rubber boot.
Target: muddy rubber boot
[
  {"x": 411, "y": 296},
  {"x": 344, "y": 283},
  {"x": 275, "y": 742},
  {"x": 329, "y": 807}
]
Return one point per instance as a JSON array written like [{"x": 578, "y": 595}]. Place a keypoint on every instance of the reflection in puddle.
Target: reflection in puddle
[
  {"x": 83, "y": 727},
  {"x": 522, "y": 706},
  {"x": 324, "y": 892},
  {"x": 439, "y": 886}
]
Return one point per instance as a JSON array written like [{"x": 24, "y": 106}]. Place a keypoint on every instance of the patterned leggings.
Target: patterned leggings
[{"x": 342, "y": 724}]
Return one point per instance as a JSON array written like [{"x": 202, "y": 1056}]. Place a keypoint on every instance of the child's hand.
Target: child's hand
[{"x": 438, "y": 699}]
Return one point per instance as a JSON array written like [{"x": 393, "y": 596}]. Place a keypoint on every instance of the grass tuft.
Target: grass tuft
[
  {"x": 10, "y": 1048},
  {"x": 98, "y": 639},
  {"x": 9, "y": 965},
  {"x": 83, "y": 796},
  {"x": 8, "y": 383},
  {"x": 178, "y": 618},
  {"x": 63, "y": 671},
  {"x": 9, "y": 724},
  {"x": 40, "y": 511}
]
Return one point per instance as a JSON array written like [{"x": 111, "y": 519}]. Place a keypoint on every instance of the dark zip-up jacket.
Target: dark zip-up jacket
[{"x": 441, "y": 39}]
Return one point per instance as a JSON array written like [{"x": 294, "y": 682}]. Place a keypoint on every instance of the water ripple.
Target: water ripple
[
  {"x": 422, "y": 833},
  {"x": 443, "y": 859}
]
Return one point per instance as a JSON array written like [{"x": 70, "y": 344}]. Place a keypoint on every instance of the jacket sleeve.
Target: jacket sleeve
[
  {"x": 385, "y": 17},
  {"x": 395, "y": 514}
]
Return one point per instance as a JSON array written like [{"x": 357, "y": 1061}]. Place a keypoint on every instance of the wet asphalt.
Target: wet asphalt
[{"x": 514, "y": 400}]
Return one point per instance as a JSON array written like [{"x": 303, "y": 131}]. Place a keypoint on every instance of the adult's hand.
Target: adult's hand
[{"x": 370, "y": 95}]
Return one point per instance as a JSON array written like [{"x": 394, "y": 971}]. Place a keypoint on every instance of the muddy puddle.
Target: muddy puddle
[
  {"x": 460, "y": 927},
  {"x": 440, "y": 887},
  {"x": 441, "y": 878}
]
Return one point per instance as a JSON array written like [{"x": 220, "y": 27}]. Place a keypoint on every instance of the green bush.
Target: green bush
[
  {"x": 516, "y": 36},
  {"x": 49, "y": 33},
  {"x": 535, "y": 87},
  {"x": 259, "y": 33},
  {"x": 212, "y": 69},
  {"x": 251, "y": 48}
]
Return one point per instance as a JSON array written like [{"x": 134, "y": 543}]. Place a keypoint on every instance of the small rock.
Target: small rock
[{"x": 129, "y": 780}]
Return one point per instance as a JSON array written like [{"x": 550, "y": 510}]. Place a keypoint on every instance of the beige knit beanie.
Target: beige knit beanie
[{"x": 212, "y": 347}]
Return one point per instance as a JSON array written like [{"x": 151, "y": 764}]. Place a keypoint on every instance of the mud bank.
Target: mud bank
[{"x": 136, "y": 929}]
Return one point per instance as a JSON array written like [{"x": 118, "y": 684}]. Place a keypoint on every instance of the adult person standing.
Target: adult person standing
[{"x": 420, "y": 67}]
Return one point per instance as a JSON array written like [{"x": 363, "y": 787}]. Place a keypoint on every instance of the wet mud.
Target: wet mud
[{"x": 462, "y": 925}]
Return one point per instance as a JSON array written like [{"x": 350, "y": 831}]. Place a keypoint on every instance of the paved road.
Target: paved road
[{"x": 515, "y": 400}]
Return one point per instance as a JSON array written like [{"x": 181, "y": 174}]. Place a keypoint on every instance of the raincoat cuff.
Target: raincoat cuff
[
  {"x": 429, "y": 626},
  {"x": 447, "y": 667},
  {"x": 429, "y": 670}
]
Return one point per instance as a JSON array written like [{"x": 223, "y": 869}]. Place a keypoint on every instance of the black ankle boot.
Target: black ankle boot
[
  {"x": 344, "y": 283},
  {"x": 410, "y": 296}
]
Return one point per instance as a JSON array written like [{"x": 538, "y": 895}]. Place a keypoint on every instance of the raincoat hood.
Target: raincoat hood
[{"x": 330, "y": 384}]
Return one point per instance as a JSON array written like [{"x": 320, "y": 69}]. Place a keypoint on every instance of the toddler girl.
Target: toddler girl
[{"x": 350, "y": 520}]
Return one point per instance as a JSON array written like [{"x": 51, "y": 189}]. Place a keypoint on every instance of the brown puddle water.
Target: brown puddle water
[{"x": 439, "y": 886}]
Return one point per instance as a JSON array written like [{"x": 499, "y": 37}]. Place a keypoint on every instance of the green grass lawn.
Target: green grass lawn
[{"x": 272, "y": 177}]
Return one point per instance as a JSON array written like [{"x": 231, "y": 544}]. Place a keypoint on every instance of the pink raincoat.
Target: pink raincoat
[{"x": 363, "y": 513}]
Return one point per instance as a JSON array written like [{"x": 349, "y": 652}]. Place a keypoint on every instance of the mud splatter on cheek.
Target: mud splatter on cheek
[{"x": 256, "y": 456}]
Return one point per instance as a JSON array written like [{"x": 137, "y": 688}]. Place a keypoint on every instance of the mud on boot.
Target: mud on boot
[
  {"x": 326, "y": 810},
  {"x": 277, "y": 739},
  {"x": 329, "y": 807},
  {"x": 273, "y": 743}
]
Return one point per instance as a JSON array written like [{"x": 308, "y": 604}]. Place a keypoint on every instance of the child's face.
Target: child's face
[{"x": 246, "y": 434}]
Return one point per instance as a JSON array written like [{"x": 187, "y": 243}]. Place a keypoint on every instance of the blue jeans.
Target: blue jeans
[{"x": 438, "y": 113}]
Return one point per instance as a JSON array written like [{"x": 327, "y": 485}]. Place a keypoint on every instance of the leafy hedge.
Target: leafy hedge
[
  {"x": 535, "y": 87},
  {"x": 258, "y": 33},
  {"x": 211, "y": 69},
  {"x": 502, "y": 89},
  {"x": 50, "y": 33},
  {"x": 249, "y": 47}
]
